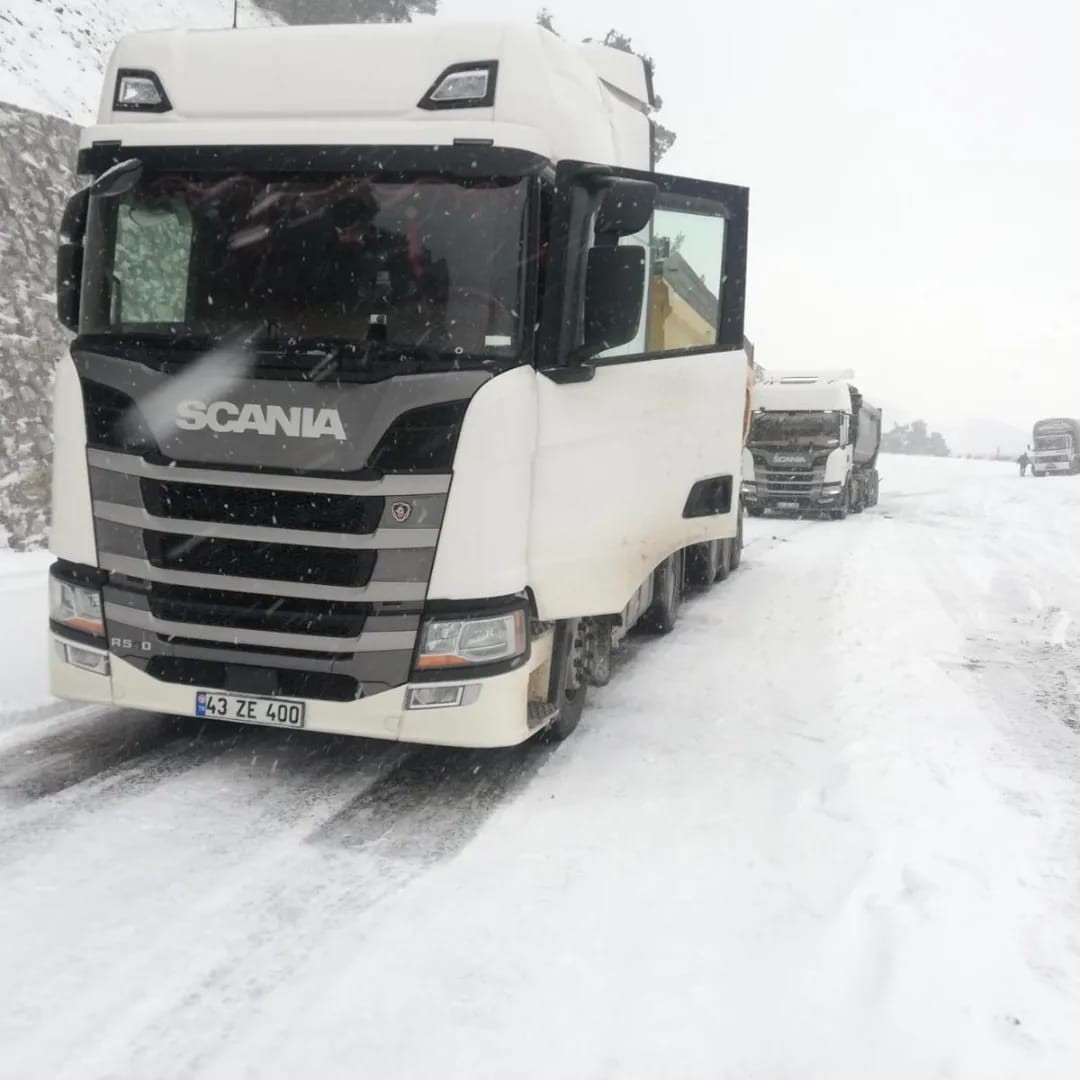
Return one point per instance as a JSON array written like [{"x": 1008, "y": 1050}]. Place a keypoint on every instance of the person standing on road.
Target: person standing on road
[{"x": 1023, "y": 461}]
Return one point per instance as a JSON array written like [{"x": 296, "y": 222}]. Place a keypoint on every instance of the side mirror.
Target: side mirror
[
  {"x": 123, "y": 177},
  {"x": 614, "y": 293},
  {"x": 627, "y": 207},
  {"x": 69, "y": 257}
]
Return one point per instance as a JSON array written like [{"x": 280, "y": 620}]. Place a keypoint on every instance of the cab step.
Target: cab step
[{"x": 541, "y": 713}]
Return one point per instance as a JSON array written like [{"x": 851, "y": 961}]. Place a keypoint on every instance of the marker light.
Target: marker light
[
  {"x": 140, "y": 91},
  {"x": 463, "y": 86},
  {"x": 94, "y": 660}
]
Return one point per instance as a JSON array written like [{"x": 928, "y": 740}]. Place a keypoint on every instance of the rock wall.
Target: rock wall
[{"x": 37, "y": 163}]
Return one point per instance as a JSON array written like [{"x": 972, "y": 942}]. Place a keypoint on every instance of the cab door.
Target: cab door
[{"x": 642, "y": 382}]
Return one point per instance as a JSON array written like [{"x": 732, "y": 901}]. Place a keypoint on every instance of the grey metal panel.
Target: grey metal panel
[
  {"x": 376, "y": 592},
  {"x": 116, "y": 539},
  {"x": 395, "y": 484},
  {"x": 366, "y": 410},
  {"x": 115, "y": 487},
  {"x": 425, "y": 511},
  {"x": 367, "y": 641},
  {"x": 403, "y": 564},
  {"x": 381, "y": 539}
]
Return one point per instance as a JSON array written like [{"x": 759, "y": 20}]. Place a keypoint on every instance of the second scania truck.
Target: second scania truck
[
  {"x": 813, "y": 446},
  {"x": 402, "y": 385}
]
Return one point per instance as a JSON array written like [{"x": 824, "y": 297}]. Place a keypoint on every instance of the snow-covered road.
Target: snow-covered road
[{"x": 829, "y": 828}]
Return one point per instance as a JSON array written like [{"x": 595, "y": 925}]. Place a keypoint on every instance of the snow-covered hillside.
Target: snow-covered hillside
[
  {"x": 828, "y": 829},
  {"x": 53, "y": 52}
]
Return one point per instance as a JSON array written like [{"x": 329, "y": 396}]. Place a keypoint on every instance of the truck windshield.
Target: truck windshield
[
  {"x": 1051, "y": 442},
  {"x": 434, "y": 262},
  {"x": 821, "y": 429}
]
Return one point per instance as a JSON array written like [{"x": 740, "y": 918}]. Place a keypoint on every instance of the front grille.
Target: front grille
[
  {"x": 310, "y": 522},
  {"x": 797, "y": 483},
  {"x": 312, "y": 511},
  {"x": 248, "y": 559},
  {"x": 246, "y": 611},
  {"x": 246, "y": 679}
]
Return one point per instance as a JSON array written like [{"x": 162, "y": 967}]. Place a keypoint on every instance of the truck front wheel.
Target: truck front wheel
[{"x": 568, "y": 682}]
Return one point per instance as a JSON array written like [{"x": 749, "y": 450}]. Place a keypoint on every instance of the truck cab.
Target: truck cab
[
  {"x": 812, "y": 446},
  {"x": 1055, "y": 447},
  {"x": 402, "y": 384}
]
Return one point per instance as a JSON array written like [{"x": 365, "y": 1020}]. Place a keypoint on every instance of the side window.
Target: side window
[
  {"x": 686, "y": 279},
  {"x": 684, "y": 267},
  {"x": 150, "y": 267},
  {"x": 645, "y": 266}
]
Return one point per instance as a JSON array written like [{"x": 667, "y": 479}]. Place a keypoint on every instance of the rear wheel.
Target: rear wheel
[
  {"x": 736, "y": 547},
  {"x": 723, "y": 568},
  {"x": 667, "y": 595},
  {"x": 703, "y": 563}
]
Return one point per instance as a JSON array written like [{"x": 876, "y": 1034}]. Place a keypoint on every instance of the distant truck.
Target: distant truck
[
  {"x": 813, "y": 446},
  {"x": 1055, "y": 446}
]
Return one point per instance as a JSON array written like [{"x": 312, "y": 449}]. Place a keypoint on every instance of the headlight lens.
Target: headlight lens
[
  {"x": 748, "y": 487},
  {"x": 448, "y": 643},
  {"x": 76, "y": 606}
]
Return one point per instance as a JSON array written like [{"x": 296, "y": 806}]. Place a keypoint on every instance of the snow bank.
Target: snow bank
[
  {"x": 52, "y": 55},
  {"x": 23, "y": 630}
]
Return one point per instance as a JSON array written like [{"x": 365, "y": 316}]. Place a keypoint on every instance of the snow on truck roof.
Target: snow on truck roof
[
  {"x": 379, "y": 85},
  {"x": 810, "y": 391}
]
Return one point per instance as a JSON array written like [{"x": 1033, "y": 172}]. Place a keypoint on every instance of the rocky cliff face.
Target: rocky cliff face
[{"x": 37, "y": 161}]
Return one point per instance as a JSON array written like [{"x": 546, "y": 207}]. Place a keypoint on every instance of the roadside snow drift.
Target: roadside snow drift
[{"x": 828, "y": 828}]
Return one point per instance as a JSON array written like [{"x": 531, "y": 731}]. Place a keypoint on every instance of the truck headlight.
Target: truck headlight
[
  {"x": 831, "y": 489},
  {"x": 748, "y": 487},
  {"x": 456, "y": 643},
  {"x": 76, "y": 606}
]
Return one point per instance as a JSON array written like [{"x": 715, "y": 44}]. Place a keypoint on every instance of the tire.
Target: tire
[
  {"x": 568, "y": 686},
  {"x": 723, "y": 569},
  {"x": 737, "y": 546},
  {"x": 667, "y": 596},
  {"x": 702, "y": 563}
]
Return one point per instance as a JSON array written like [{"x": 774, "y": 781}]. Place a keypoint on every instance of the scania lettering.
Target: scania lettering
[
  {"x": 813, "y": 446},
  {"x": 224, "y": 416},
  {"x": 398, "y": 395}
]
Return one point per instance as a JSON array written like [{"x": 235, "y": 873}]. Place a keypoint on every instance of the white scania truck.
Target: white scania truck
[
  {"x": 813, "y": 446},
  {"x": 402, "y": 384}
]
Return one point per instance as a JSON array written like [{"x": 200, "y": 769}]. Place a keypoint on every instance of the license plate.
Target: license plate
[
  {"x": 787, "y": 506},
  {"x": 275, "y": 712}
]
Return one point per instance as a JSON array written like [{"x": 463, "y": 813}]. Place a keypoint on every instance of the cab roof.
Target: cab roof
[{"x": 371, "y": 85}]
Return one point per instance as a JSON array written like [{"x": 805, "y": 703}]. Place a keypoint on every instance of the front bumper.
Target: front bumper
[
  {"x": 802, "y": 502},
  {"x": 499, "y": 715}
]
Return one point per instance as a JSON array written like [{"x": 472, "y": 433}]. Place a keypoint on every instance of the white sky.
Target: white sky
[{"x": 915, "y": 181}]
